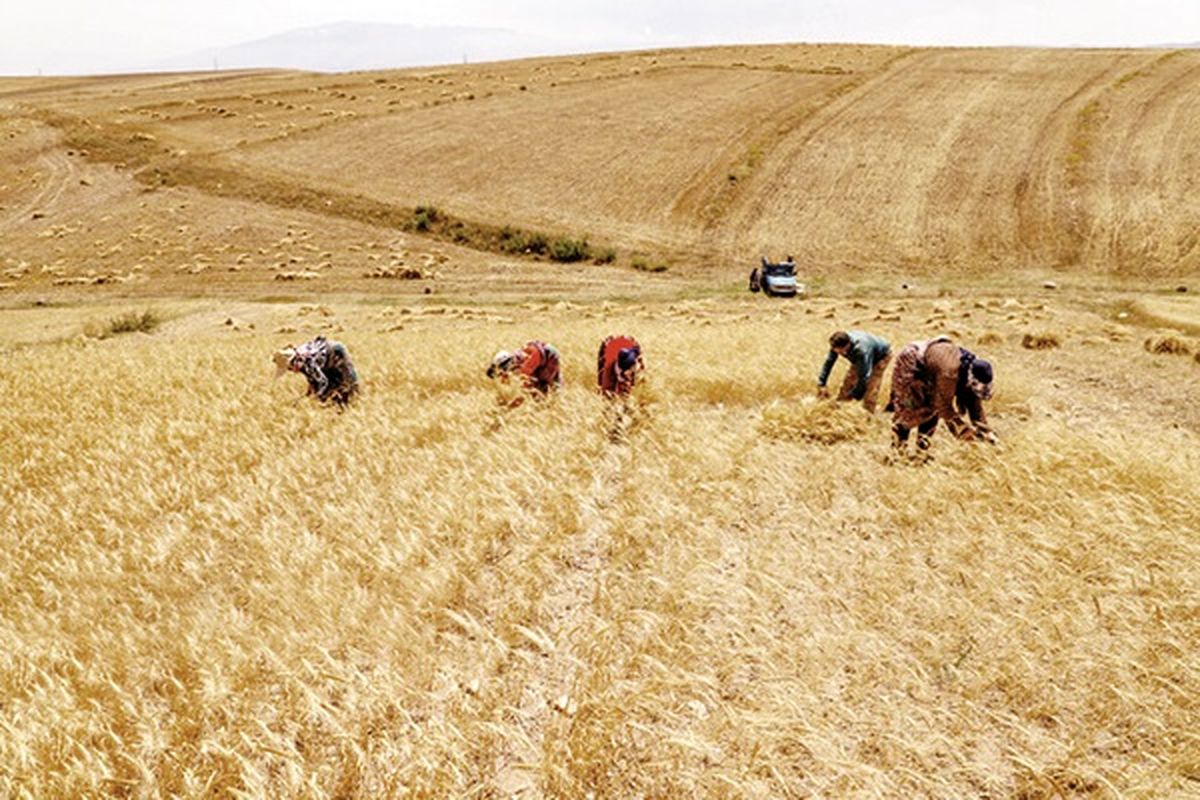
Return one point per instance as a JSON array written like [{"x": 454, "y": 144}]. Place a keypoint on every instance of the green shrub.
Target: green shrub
[
  {"x": 514, "y": 240},
  {"x": 424, "y": 217},
  {"x": 460, "y": 234},
  {"x": 606, "y": 256},
  {"x": 569, "y": 250}
]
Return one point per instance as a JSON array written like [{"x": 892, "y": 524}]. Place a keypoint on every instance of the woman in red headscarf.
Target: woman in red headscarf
[{"x": 618, "y": 365}]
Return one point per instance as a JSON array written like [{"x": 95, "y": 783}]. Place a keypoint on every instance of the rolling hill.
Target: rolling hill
[
  {"x": 719, "y": 586},
  {"x": 882, "y": 159}
]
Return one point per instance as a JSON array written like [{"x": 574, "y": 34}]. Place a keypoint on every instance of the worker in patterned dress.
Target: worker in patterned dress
[
  {"x": 327, "y": 367},
  {"x": 938, "y": 380},
  {"x": 618, "y": 365},
  {"x": 537, "y": 363}
]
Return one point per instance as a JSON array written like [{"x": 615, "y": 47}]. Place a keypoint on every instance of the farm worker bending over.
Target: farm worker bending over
[
  {"x": 536, "y": 362},
  {"x": 868, "y": 355},
  {"x": 618, "y": 365},
  {"x": 325, "y": 364},
  {"x": 930, "y": 379}
]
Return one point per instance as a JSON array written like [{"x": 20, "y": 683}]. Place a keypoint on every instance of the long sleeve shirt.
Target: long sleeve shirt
[{"x": 866, "y": 350}]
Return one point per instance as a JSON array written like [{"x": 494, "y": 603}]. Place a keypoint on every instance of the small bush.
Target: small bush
[
  {"x": 514, "y": 240},
  {"x": 424, "y": 217},
  {"x": 990, "y": 338},
  {"x": 1167, "y": 345},
  {"x": 569, "y": 250},
  {"x": 460, "y": 234},
  {"x": 606, "y": 256},
  {"x": 1040, "y": 341},
  {"x": 130, "y": 322}
]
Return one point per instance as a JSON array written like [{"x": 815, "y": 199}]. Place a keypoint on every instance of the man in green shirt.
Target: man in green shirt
[{"x": 868, "y": 355}]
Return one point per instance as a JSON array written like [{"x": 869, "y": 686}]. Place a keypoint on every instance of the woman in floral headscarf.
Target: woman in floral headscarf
[
  {"x": 327, "y": 367},
  {"x": 537, "y": 363}
]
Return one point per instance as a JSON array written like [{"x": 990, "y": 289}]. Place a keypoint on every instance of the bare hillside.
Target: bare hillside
[{"x": 936, "y": 161}]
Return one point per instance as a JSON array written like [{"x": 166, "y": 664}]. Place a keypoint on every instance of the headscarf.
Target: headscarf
[
  {"x": 975, "y": 374},
  {"x": 502, "y": 362}
]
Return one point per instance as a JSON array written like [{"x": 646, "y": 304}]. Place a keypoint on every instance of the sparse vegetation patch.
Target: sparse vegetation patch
[
  {"x": 821, "y": 422},
  {"x": 424, "y": 217},
  {"x": 643, "y": 264},
  {"x": 521, "y": 242},
  {"x": 1087, "y": 121},
  {"x": 606, "y": 255},
  {"x": 568, "y": 250},
  {"x": 129, "y": 322}
]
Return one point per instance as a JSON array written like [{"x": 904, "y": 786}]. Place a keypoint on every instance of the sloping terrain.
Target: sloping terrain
[
  {"x": 216, "y": 587},
  {"x": 934, "y": 161}
]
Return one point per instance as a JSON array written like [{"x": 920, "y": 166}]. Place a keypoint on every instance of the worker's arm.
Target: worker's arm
[
  {"x": 973, "y": 405},
  {"x": 830, "y": 360}
]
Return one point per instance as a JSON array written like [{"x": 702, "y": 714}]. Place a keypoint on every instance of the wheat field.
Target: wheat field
[{"x": 216, "y": 587}]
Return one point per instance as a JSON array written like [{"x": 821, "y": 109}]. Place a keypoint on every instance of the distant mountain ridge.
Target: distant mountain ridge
[{"x": 347, "y": 46}]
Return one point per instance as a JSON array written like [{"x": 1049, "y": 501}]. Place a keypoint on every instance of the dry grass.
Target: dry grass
[
  {"x": 1179, "y": 313},
  {"x": 809, "y": 420},
  {"x": 216, "y": 588},
  {"x": 736, "y": 150},
  {"x": 233, "y": 591},
  {"x": 129, "y": 322}
]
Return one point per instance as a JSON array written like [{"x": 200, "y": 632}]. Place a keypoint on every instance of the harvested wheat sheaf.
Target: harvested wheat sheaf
[
  {"x": 1167, "y": 345},
  {"x": 813, "y": 421},
  {"x": 302, "y": 275},
  {"x": 1041, "y": 341}
]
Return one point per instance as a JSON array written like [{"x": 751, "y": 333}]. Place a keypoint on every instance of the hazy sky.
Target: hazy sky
[{"x": 74, "y": 36}]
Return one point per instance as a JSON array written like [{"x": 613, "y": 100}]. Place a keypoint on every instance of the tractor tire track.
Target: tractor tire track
[{"x": 62, "y": 172}]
